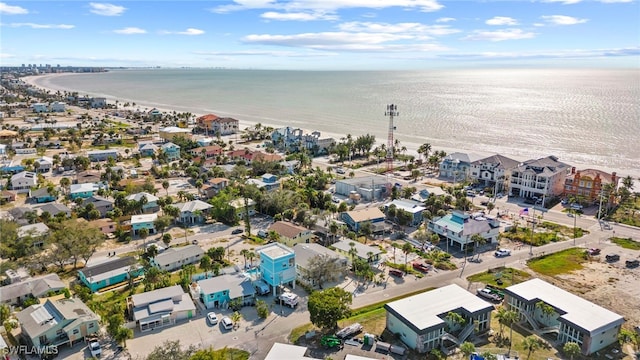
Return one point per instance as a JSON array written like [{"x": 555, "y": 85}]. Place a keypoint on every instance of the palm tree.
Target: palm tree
[
  {"x": 165, "y": 186},
  {"x": 531, "y": 344},
  {"x": 251, "y": 256},
  {"x": 122, "y": 335},
  {"x": 406, "y": 249},
  {"x": 509, "y": 318},
  {"x": 366, "y": 229},
  {"x": 500, "y": 316},
  {"x": 546, "y": 309},
  {"x": 467, "y": 348},
  {"x": 235, "y": 317},
  {"x": 245, "y": 254},
  {"x": 454, "y": 319},
  {"x": 572, "y": 349},
  {"x": 478, "y": 240}
]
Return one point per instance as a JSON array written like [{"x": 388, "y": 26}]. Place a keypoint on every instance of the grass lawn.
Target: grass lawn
[
  {"x": 509, "y": 276},
  {"x": 628, "y": 213},
  {"x": 627, "y": 243},
  {"x": 562, "y": 262},
  {"x": 105, "y": 304}
]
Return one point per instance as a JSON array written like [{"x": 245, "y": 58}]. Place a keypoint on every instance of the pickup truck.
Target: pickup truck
[{"x": 487, "y": 294}]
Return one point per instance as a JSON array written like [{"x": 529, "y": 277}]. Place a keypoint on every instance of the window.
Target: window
[
  {"x": 75, "y": 331},
  {"x": 91, "y": 326}
]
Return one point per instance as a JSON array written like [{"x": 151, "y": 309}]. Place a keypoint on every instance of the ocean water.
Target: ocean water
[{"x": 583, "y": 116}]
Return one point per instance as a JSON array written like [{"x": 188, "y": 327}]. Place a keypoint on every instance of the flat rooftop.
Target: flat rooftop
[
  {"x": 584, "y": 314},
  {"x": 427, "y": 310},
  {"x": 275, "y": 250}
]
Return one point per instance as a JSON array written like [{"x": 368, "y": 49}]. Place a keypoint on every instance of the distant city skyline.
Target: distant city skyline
[{"x": 322, "y": 34}]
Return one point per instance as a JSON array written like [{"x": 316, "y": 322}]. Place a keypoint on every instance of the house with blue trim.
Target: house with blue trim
[
  {"x": 144, "y": 221},
  {"x": 459, "y": 227},
  {"x": 172, "y": 150},
  {"x": 219, "y": 291},
  {"x": 354, "y": 219},
  {"x": 84, "y": 190},
  {"x": 41, "y": 195},
  {"x": 109, "y": 273},
  {"x": 151, "y": 205},
  {"x": 411, "y": 207},
  {"x": 148, "y": 149},
  {"x": 277, "y": 265}
]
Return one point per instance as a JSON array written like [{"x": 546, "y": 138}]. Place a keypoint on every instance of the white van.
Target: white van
[
  {"x": 289, "y": 299},
  {"x": 226, "y": 323}
]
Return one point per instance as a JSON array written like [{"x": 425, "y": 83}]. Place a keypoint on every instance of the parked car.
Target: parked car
[
  {"x": 237, "y": 231},
  {"x": 95, "y": 348},
  {"x": 226, "y": 322},
  {"x": 194, "y": 242},
  {"x": 487, "y": 294},
  {"x": 396, "y": 273},
  {"x": 593, "y": 251},
  {"x": 632, "y": 263},
  {"x": 612, "y": 257},
  {"x": 576, "y": 206},
  {"x": 502, "y": 252},
  {"x": 421, "y": 267},
  {"x": 212, "y": 318}
]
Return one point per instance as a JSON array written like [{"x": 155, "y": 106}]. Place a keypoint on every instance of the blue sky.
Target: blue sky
[{"x": 322, "y": 34}]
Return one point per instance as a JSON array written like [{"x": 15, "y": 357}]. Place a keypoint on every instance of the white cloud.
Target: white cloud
[
  {"x": 502, "y": 20},
  {"x": 6, "y": 56},
  {"x": 561, "y": 54},
  {"x": 565, "y": 2},
  {"x": 265, "y": 53},
  {"x": 563, "y": 20},
  {"x": 297, "y": 16},
  {"x": 43, "y": 26},
  {"x": 7, "y": 9},
  {"x": 191, "y": 31},
  {"x": 404, "y": 28},
  {"x": 130, "y": 31},
  {"x": 615, "y": 1},
  {"x": 499, "y": 35},
  {"x": 445, "y": 19},
  {"x": 106, "y": 9},
  {"x": 328, "y": 5}
]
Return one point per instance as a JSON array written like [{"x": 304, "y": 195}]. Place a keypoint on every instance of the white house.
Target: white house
[
  {"x": 539, "y": 177},
  {"x": 160, "y": 307},
  {"x": 39, "y": 107},
  {"x": 493, "y": 170},
  {"x": 421, "y": 320},
  {"x": 24, "y": 181},
  {"x": 459, "y": 227},
  {"x": 192, "y": 212},
  {"x": 175, "y": 258},
  {"x": 58, "y": 106},
  {"x": 306, "y": 252},
  {"x": 574, "y": 319},
  {"x": 45, "y": 164}
]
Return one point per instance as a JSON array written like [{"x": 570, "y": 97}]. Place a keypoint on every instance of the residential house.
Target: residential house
[
  {"x": 281, "y": 351},
  {"x": 148, "y": 149},
  {"x": 573, "y": 319},
  {"x": 355, "y": 218},
  {"x": 213, "y": 124},
  {"x": 88, "y": 176},
  {"x": 214, "y": 186},
  {"x": 7, "y": 196},
  {"x": 20, "y": 214},
  {"x": 315, "y": 144},
  {"x": 249, "y": 156},
  {"x": 205, "y": 141},
  {"x": 544, "y": 177},
  {"x": 145, "y": 221},
  {"x": 110, "y": 273},
  {"x": 287, "y": 138},
  {"x": 54, "y": 209},
  {"x": 41, "y": 286},
  {"x": 242, "y": 207},
  {"x": 459, "y": 227},
  {"x": 151, "y": 205},
  {"x": 369, "y": 188},
  {"x": 493, "y": 171},
  {"x": 38, "y": 233},
  {"x": 169, "y": 133},
  {"x": 305, "y": 252},
  {"x": 103, "y": 205},
  {"x": 411, "y": 207},
  {"x": 98, "y": 102},
  {"x": 175, "y": 258},
  {"x": 106, "y": 226},
  {"x": 208, "y": 152},
  {"x": 193, "y": 212},
  {"x": 45, "y": 164},
  {"x": 39, "y": 107},
  {"x": 102, "y": 155},
  {"x": 161, "y": 307},
  {"x": 291, "y": 234},
  {"x": 370, "y": 254},
  {"x": 14, "y": 169},
  {"x": 84, "y": 190},
  {"x": 587, "y": 185},
  {"x": 219, "y": 291},
  {"x": 41, "y": 195},
  {"x": 23, "y": 181},
  {"x": 57, "y": 322},
  {"x": 457, "y": 165},
  {"x": 58, "y": 106},
  {"x": 422, "y": 323},
  {"x": 267, "y": 182},
  {"x": 277, "y": 265},
  {"x": 171, "y": 150}
]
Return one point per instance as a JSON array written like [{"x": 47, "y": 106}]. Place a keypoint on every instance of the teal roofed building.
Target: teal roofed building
[
  {"x": 458, "y": 228},
  {"x": 277, "y": 265}
]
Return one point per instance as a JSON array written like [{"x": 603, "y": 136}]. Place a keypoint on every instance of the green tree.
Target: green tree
[
  {"x": 236, "y": 317},
  {"x": 166, "y": 239},
  {"x": 629, "y": 336},
  {"x": 328, "y": 306},
  {"x": 322, "y": 268},
  {"x": 531, "y": 344},
  {"x": 467, "y": 348},
  {"x": 5, "y": 312},
  {"x": 262, "y": 308},
  {"x": 366, "y": 229},
  {"x": 407, "y": 248},
  {"x": 171, "y": 349},
  {"x": 122, "y": 335},
  {"x": 572, "y": 349},
  {"x": 509, "y": 318},
  {"x": 546, "y": 309}
]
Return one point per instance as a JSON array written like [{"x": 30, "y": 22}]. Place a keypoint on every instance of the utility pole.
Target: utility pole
[
  {"x": 600, "y": 210},
  {"x": 533, "y": 228}
]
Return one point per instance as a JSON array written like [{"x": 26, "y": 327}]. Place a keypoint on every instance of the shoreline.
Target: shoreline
[{"x": 37, "y": 81}]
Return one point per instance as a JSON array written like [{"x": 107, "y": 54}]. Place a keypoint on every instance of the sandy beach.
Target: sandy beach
[{"x": 44, "y": 82}]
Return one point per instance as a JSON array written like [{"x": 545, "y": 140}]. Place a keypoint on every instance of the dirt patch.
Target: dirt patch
[{"x": 609, "y": 285}]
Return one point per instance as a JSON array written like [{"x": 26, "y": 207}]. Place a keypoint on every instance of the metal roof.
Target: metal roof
[
  {"x": 578, "y": 311},
  {"x": 285, "y": 351},
  {"x": 427, "y": 310},
  {"x": 172, "y": 255},
  {"x": 304, "y": 252}
]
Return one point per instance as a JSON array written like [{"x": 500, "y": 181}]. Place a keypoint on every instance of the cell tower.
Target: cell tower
[{"x": 392, "y": 111}]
